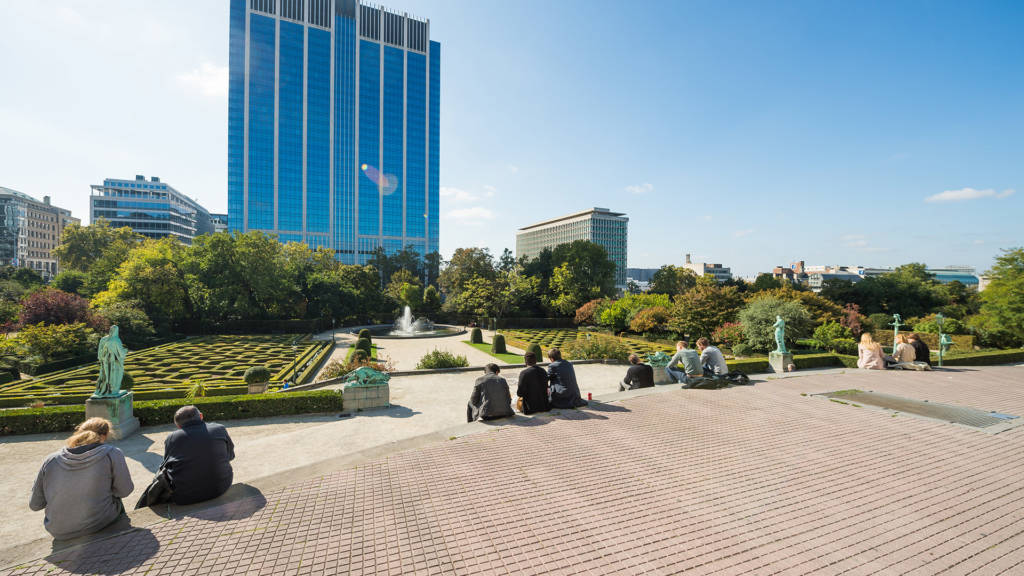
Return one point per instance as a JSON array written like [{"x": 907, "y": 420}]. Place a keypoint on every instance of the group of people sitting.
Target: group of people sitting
[
  {"x": 909, "y": 353},
  {"x": 686, "y": 366},
  {"x": 81, "y": 486},
  {"x": 538, "y": 390}
]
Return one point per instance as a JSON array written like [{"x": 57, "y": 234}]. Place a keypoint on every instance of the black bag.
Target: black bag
[
  {"x": 158, "y": 491},
  {"x": 738, "y": 378}
]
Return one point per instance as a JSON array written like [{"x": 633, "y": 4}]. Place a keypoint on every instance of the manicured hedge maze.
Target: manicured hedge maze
[
  {"x": 164, "y": 371},
  {"x": 559, "y": 338}
]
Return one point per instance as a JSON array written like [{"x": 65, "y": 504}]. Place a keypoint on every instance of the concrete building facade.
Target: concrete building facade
[
  {"x": 29, "y": 231},
  {"x": 150, "y": 207},
  {"x": 598, "y": 225}
]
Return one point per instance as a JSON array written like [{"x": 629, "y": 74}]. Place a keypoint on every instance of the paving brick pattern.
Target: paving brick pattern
[{"x": 757, "y": 480}]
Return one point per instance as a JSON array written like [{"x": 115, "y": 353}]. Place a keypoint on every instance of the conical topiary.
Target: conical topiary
[
  {"x": 365, "y": 333},
  {"x": 498, "y": 344},
  {"x": 476, "y": 336},
  {"x": 364, "y": 345},
  {"x": 537, "y": 352}
]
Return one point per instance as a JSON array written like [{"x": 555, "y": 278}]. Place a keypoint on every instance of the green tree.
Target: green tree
[
  {"x": 766, "y": 282},
  {"x": 134, "y": 326},
  {"x": 1001, "y": 319},
  {"x": 466, "y": 264},
  {"x": 758, "y": 317},
  {"x": 698, "y": 311},
  {"x": 672, "y": 280},
  {"x": 153, "y": 276},
  {"x": 431, "y": 301},
  {"x": 97, "y": 250},
  {"x": 71, "y": 281}
]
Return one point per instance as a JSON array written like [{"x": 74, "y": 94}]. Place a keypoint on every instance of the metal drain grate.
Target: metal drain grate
[{"x": 945, "y": 412}]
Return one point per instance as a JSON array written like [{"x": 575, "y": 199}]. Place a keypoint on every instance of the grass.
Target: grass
[{"x": 504, "y": 358}]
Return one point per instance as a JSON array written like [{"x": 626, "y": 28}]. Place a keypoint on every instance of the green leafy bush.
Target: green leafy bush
[
  {"x": 596, "y": 348},
  {"x": 359, "y": 355},
  {"x": 742, "y": 349},
  {"x": 476, "y": 336},
  {"x": 880, "y": 322},
  {"x": 365, "y": 333},
  {"x": 156, "y": 412},
  {"x": 365, "y": 345},
  {"x": 441, "y": 359},
  {"x": 844, "y": 346},
  {"x": 537, "y": 351},
  {"x": 257, "y": 375},
  {"x": 498, "y": 344},
  {"x": 54, "y": 341},
  {"x": 730, "y": 334},
  {"x": 758, "y": 317},
  {"x": 651, "y": 319},
  {"x": 929, "y": 325},
  {"x": 134, "y": 328}
]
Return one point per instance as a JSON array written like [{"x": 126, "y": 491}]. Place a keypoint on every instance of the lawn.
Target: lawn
[
  {"x": 504, "y": 358},
  {"x": 165, "y": 371}
]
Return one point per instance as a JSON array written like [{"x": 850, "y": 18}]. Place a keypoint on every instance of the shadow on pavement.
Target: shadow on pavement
[
  {"x": 113, "y": 555},
  {"x": 596, "y": 406},
  {"x": 395, "y": 411},
  {"x": 239, "y": 502}
]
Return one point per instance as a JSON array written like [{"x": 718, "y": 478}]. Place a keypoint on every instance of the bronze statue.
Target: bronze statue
[
  {"x": 780, "y": 335},
  {"x": 111, "y": 354}
]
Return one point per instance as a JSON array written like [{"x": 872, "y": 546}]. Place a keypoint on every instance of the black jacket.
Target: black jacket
[
  {"x": 490, "y": 399},
  {"x": 533, "y": 389},
  {"x": 922, "y": 353},
  {"x": 639, "y": 376},
  {"x": 565, "y": 393},
  {"x": 197, "y": 458}
]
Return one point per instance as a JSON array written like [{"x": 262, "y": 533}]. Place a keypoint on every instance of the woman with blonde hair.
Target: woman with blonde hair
[
  {"x": 869, "y": 353},
  {"x": 81, "y": 486}
]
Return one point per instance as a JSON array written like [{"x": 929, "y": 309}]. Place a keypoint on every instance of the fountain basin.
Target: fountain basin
[{"x": 387, "y": 331}]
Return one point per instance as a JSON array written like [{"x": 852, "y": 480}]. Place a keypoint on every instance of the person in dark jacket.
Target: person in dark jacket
[
  {"x": 637, "y": 375},
  {"x": 197, "y": 458},
  {"x": 565, "y": 393},
  {"x": 490, "y": 398},
  {"x": 533, "y": 386},
  {"x": 921, "y": 351},
  {"x": 81, "y": 486}
]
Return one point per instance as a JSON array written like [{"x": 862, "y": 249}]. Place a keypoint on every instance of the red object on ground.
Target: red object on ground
[{"x": 590, "y": 396}]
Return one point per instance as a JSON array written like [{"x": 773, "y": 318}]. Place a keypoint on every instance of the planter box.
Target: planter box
[{"x": 358, "y": 397}]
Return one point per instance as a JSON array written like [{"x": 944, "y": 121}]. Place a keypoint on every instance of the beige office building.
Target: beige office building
[{"x": 599, "y": 225}]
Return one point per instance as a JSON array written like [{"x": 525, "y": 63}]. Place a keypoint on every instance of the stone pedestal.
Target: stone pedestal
[
  {"x": 363, "y": 397},
  {"x": 780, "y": 362},
  {"x": 661, "y": 377},
  {"x": 117, "y": 409}
]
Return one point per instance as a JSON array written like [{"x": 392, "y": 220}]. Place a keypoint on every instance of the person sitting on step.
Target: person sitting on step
[
  {"x": 565, "y": 392},
  {"x": 690, "y": 362},
  {"x": 533, "y": 386},
  {"x": 197, "y": 458},
  {"x": 490, "y": 398},
  {"x": 638, "y": 375}
]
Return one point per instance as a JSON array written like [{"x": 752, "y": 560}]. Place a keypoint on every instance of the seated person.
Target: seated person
[
  {"x": 903, "y": 356},
  {"x": 533, "y": 386},
  {"x": 711, "y": 358},
  {"x": 490, "y": 398},
  {"x": 689, "y": 361},
  {"x": 565, "y": 393},
  {"x": 922, "y": 353},
  {"x": 869, "y": 353},
  {"x": 637, "y": 375},
  {"x": 81, "y": 486},
  {"x": 197, "y": 458}
]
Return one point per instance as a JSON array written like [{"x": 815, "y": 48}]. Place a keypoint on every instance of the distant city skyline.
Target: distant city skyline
[{"x": 862, "y": 134}]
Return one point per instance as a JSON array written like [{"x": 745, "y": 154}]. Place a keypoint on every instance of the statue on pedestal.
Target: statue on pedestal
[
  {"x": 780, "y": 335},
  {"x": 111, "y": 354}
]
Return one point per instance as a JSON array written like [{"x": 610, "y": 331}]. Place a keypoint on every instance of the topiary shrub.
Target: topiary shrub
[
  {"x": 365, "y": 333},
  {"x": 442, "y": 359},
  {"x": 257, "y": 375},
  {"x": 498, "y": 344},
  {"x": 596, "y": 348},
  {"x": 364, "y": 345},
  {"x": 536, "y": 349},
  {"x": 476, "y": 336},
  {"x": 360, "y": 355}
]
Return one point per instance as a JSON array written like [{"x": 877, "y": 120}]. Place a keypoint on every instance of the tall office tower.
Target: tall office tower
[{"x": 333, "y": 116}]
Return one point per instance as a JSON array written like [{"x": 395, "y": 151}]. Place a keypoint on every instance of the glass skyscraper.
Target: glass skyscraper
[{"x": 333, "y": 117}]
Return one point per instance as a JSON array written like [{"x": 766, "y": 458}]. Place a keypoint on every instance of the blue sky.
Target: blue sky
[{"x": 746, "y": 133}]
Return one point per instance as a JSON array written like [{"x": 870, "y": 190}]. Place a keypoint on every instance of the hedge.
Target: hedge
[
  {"x": 984, "y": 358},
  {"x": 802, "y": 362},
  {"x": 156, "y": 412},
  {"x": 72, "y": 399},
  {"x": 960, "y": 341}
]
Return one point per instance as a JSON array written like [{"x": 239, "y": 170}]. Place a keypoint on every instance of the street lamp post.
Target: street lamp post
[
  {"x": 896, "y": 323},
  {"x": 944, "y": 340}
]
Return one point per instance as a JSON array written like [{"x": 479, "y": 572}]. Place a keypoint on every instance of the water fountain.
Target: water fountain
[{"x": 406, "y": 326}]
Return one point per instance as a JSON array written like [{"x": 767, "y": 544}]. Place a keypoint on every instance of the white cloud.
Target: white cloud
[
  {"x": 472, "y": 216},
  {"x": 489, "y": 190},
  {"x": 855, "y": 241},
  {"x": 640, "y": 188},
  {"x": 967, "y": 194},
  {"x": 512, "y": 168},
  {"x": 458, "y": 195},
  {"x": 208, "y": 80},
  {"x": 742, "y": 233}
]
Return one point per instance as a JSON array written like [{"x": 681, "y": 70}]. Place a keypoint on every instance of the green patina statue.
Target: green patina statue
[
  {"x": 366, "y": 376},
  {"x": 659, "y": 359},
  {"x": 111, "y": 354},
  {"x": 780, "y": 335}
]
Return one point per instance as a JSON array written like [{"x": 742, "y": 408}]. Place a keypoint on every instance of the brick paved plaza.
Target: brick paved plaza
[{"x": 754, "y": 480}]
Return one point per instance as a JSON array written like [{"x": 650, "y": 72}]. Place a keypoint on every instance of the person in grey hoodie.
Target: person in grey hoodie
[{"x": 81, "y": 486}]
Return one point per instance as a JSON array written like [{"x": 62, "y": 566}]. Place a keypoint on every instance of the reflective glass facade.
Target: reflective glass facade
[
  {"x": 333, "y": 126},
  {"x": 150, "y": 207}
]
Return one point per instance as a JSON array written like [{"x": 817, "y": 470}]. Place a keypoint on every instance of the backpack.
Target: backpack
[{"x": 738, "y": 378}]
